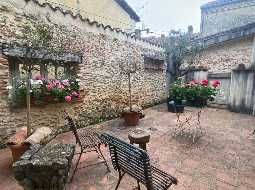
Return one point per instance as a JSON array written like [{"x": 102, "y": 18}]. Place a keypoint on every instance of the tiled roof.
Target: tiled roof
[{"x": 128, "y": 9}]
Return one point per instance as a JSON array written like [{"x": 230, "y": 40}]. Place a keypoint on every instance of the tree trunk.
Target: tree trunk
[
  {"x": 129, "y": 89},
  {"x": 29, "y": 129}
]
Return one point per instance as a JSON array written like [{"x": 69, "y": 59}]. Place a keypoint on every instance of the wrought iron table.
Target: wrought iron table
[{"x": 188, "y": 123}]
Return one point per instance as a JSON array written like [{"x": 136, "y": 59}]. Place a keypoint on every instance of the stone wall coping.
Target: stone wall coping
[
  {"x": 235, "y": 33},
  {"x": 94, "y": 23},
  {"x": 244, "y": 70},
  {"x": 196, "y": 68},
  {"x": 19, "y": 51},
  {"x": 219, "y": 75},
  {"x": 199, "y": 69}
]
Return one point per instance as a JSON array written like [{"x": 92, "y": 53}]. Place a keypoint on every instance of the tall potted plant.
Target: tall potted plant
[{"x": 132, "y": 113}]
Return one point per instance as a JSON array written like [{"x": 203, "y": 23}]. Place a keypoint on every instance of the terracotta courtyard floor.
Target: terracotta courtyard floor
[{"x": 222, "y": 159}]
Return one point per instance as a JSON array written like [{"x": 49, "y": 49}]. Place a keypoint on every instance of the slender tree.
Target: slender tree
[
  {"x": 36, "y": 37},
  {"x": 182, "y": 51},
  {"x": 129, "y": 67}
]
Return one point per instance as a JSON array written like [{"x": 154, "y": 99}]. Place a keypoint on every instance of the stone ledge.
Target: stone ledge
[
  {"x": 219, "y": 75},
  {"x": 44, "y": 167}
]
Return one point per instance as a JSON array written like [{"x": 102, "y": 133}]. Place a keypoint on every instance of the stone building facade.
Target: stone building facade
[
  {"x": 228, "y": 33},
  {"x": 104, "y": 86},
  {"x": 227, "y": 30},
  {"x": 222, "y": 15}
]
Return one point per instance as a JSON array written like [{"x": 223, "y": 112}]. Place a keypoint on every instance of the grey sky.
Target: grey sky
[{"x": 163, "y": 15}]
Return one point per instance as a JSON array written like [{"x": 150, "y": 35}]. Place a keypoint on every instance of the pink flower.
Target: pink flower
[
  {"x": 50, "y": 87},
  {"x": 39, "y": 77},
  {"x": 61, "y": 87},
  {"x": 75, "y": 94},
  {"x": 205, "y": 82},
  {"x": 193, "y": 83},
  {"x": 65, "y": 83},
  {"x": 68, "y": 98},
  {"x": 216, "y": 83},
  {"x": 55, "y": 82}
]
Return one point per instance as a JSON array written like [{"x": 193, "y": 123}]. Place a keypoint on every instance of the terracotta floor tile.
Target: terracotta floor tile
[{"x": 223, "y": 159}]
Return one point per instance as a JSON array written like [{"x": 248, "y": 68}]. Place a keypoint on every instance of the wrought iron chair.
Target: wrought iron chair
[
  {"x": 128, "y": 159},
  {"x": 88, "y": 141}
]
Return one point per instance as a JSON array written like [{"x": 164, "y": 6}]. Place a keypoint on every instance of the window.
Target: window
[
  {"x": 47, "y": 69},
  {"x": 52, "y": 82},
  {"x": 153, "y": 64}
]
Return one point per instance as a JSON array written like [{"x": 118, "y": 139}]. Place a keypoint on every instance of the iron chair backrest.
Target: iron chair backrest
[
  {"x": 129, "y": 159},
  {"x": 72, "y": 127}
]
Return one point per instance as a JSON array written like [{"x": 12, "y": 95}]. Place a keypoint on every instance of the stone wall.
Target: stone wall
[
  {"x": 226, "y": 56},
  {"x": 221, "y": 16},
  {"x": 104, "y": 87}
]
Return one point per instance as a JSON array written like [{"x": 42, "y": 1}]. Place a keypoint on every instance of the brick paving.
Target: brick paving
[{"x": 222, "y": 159}]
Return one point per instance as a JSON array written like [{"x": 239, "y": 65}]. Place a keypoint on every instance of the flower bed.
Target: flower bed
[{"x": 47, "y": 91}]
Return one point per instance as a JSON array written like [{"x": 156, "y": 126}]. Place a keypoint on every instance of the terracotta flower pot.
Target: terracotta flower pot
[
  {"x": 18, "y": 151},
  {"x": 131, "y": 118},
  {"x": 49, "y": 99}
]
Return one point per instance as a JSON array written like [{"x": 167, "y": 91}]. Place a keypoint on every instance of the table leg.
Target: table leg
[{"x": 143, "y": 146}]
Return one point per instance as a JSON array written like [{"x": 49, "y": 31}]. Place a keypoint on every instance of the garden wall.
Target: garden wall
[
  {"x": 104, "y": 87},
  {"x": 225, "y": 56}
]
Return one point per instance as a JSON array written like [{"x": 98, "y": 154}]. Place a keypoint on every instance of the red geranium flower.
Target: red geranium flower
[
  {"x": 193, "y": 83},
  {"x": 216, "y": 83},
  {"x": 204, "y": 82}
]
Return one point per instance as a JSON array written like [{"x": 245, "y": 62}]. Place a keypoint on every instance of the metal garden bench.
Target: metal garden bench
[
  {"x": 88, "y": 141},
  {"x": 128, "y": 159}
]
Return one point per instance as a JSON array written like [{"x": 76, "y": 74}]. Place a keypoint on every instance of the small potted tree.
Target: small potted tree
[{"x": 132, "y": 113}]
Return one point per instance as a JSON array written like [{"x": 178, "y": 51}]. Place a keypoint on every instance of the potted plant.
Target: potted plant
[
  {"x": 47, "y": 91},
  {"x": 176, "y": 100},
  {"x": 198, "y": 93},
  {"x": 132, "y": 113}
]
